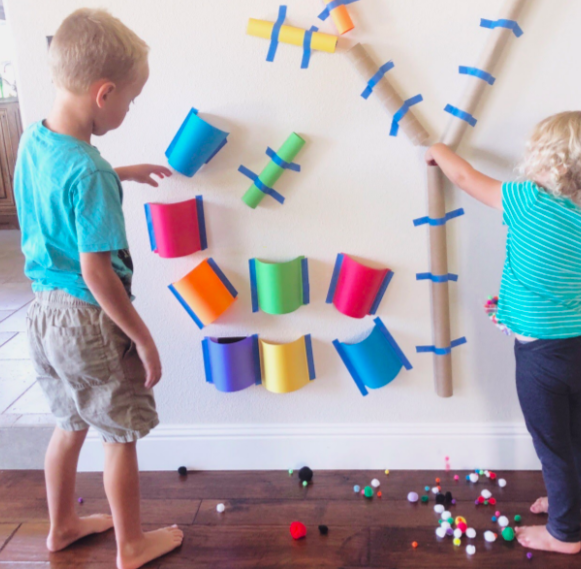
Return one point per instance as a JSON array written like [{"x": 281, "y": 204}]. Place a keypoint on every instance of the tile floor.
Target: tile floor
[{"x": 21, "y": 400}]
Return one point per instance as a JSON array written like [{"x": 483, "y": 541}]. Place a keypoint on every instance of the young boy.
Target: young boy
[{"x": 95, "y": 358}]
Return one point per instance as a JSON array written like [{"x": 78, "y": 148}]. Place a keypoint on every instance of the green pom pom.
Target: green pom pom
[
  {"x": 451, "y": 521},
  {"x": 290, "y": 472},
  {"x": 508, "y": 533},
  {"x": 305, "y": 483},
  {"x": 486, "y": 502},
  {"x": 425, "y": 499},
  {"x": 517, "y": 519},
  {"x": 368, "y": 492}
]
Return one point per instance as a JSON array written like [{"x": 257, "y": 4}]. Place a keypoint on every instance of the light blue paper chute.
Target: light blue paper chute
[
  {"x": 194, "y": 145},
  {"x": 375, "y": 361}
]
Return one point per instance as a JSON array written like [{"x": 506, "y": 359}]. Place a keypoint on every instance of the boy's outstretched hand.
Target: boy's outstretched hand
[{"x": 143, "y": 173}]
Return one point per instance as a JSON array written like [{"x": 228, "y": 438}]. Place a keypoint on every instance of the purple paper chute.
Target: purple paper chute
[{"x": 232, "y": 364}]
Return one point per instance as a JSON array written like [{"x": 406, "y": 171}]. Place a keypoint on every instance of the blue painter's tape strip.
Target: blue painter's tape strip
[
  {"x": 150, "y": 229},
  {"x": 402, "y": 113},
  {"x": 334, "y": 278},
  {"x": 331, "y": 6},
  {"x": 436, "y": 278},
  {"x": 222, "y": 277},
  {"x": 502, "y": 23},
  {"x": 440, "y": 220},
  {"x": 222, "y": 144},
  {"x": 381, "y": 292},
  {"x": 307, "y": 47},
  {"x": 275, "y": 32},
  {"x": 382, "y": 328},
  {"x": 474, "y": 71},
  {"x": 260, "y": 185},
  {"x": 310, "y": 359},
  {"x": 207, "y": 365},
  {"x": 253, "y": 285},
  {"x": 377, "y": 78},
  {"x": 441, "y": 351},
  {"x": 186, "y": 307},
  {"x": 305, "y": 275},
  {"x": 256, "y": 355},
  {"x": 280, "y": 162},
  {"x": 462, "y": 115},
  {"x": 352, "y": 371},
  {"x": 201, "y": 222}
]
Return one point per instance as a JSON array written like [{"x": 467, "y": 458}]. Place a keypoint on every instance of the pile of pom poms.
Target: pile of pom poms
[
  {"x": 368, "y": 492},
  {"x": 491, "y": 309}
]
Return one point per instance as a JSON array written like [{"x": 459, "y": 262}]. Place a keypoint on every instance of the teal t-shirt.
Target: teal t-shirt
[
  {"x": 69, "y": 202},
  {"x": 540, "y": 293}
]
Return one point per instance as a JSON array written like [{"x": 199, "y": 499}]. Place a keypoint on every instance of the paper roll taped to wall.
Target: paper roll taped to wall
[
  {"x": 291, "y": 35},
  {"x": 387, "y": 95}
]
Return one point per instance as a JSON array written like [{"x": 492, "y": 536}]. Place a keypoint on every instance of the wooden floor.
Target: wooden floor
[{"x": 254, "y": 529}]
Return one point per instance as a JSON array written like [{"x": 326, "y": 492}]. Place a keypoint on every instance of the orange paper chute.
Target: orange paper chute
[
  {"x": 205, "y": 293},
  {"x": 341, "y": 18}
]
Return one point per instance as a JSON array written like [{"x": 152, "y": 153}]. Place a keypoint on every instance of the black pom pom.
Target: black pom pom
[
  {"x": 448, "y": 497},
  {"x": 305, "y": 474},
  {"x": 182, "y": 471},
  {"x": 440, "y": 498},
  {"x": 323, "y": 530}
]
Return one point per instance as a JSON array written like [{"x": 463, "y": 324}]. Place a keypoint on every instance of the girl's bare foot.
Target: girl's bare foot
[
  {"x": 541, "y": 506},
  {"x": 537, "y": 537},
  {"x": 59, "y": 538},
  {"x": 153, "y": 545}
]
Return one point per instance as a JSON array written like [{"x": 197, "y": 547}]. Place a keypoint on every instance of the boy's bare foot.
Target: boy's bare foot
[
  {"x": 59, "y": 538},
  {"x": 155, "y": 544},
  {"x": 541, "y": 506},
  {"x": 537, "y": 537}
]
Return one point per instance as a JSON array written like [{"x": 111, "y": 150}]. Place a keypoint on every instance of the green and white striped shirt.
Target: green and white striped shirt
[{"x": 540, "y": 293}]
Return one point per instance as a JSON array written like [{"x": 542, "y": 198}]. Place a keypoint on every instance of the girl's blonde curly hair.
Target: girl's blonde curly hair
[{"x": 553, "y": 156}]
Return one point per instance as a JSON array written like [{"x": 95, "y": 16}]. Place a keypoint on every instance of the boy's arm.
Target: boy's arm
[
  {"x": 108, "y": 289},
  {"x": 481, "y": 187},
  {"x": 142, "y": 173}
]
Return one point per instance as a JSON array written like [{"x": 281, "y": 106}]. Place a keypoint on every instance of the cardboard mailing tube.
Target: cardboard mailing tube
[
  {"x": 469, "y": 101},
  {"x": 388, "y": 96}
]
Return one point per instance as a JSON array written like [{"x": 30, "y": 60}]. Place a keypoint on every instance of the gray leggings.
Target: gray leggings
[{"x": 548, "y": 380}]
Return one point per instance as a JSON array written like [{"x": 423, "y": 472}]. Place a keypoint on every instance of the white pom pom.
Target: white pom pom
[
  {"x": 503, "y": 521},
  {"x": 435, "y": 490},
  {"x": 446, "y": 515},
  {"x": 502, "y": 482},
  {"x": 413, "y": 497},
  {"x": 458, "y": 533},
  {"x": 220, "y": 508},
  {"x": 439, "y": 509},
  {"x": 471, "y": 533},
  {"x": 470, "y": 549},
  {"x": 474, "y": 477},
  {"x": 489, "y": 536},
  {"x": 441, "y": 532},
  {"x": 375, "y": 483},
  {"x": 486, "y": 494},
  {"x": 445, "y": 525}
]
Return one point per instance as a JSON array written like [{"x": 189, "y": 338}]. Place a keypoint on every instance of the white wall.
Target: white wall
[{"x": 358, "y": 192}]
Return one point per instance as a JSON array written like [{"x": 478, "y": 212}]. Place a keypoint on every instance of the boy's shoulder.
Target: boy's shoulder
[{"x": 73, "y": 158}]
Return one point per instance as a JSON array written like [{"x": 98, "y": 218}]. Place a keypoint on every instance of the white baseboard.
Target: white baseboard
[{"x": 500, "y": 446}]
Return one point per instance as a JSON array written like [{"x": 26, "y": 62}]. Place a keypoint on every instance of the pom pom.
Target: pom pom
[
  {"x": 368, "y": 492},
  {"x": 291, "y": 472},
  {"x": 486, "y": 494},
  {"x": 414, "y": 544},
  {"x": 502, "y": 482},
  {"x": 387, "y": 472},
  {"x": 470, "y": 549},
  {"x": 458, "y": 533},
  {"x": 490, "y": 536},
  {"x": 492, "y": 501},
  {"x": 456, "y": 477},
  {"x": 457, "y": 542},
  {"x": 298, "y": 530},
  {"x": 508, "y": 534},
  {"x": 182, "y": 471},
  {"x": 305, "y": 483},
  {"x": 440, "y": 498},
  {"x": 448, "y": 497},
  {"x": 305, "y": 474},
  {"x": 462, "y": 527},
  {"x": 379, "y": 494},
  {"x": 503, "y": 521},
  {"x": 356, "y": 488},
  {"x": 425, "y": 499},
  {"x": 323, "y": 530},
  {"x": 439, "y": 508},
  {"x": 446, "y": 516},
  {"x": 529, "y": 555},
  {"x": 473, "y": 477},
  {"x": 446, "y": 525},
  {"x": 471, "y": 533},
  {"x": 220, "y": 508},
  {"x": 441, "y": 532},
  {"x": 375, "y": 483},
  {"x": 413, "y": 497},
  {"x": 80, "y": 500},
  {"x": 517, "y": 519}
]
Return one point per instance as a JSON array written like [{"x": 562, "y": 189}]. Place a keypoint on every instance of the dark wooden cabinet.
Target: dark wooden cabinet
[{"x": 10, "y": 133}]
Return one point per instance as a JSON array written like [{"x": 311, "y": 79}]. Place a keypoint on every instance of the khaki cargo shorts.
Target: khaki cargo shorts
[{"x": 89, "y": 369}]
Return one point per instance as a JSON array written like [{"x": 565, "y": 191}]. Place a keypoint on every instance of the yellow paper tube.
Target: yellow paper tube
[
  {"x": 285, "y": 367},
  {"x": 291, "y": 35}
]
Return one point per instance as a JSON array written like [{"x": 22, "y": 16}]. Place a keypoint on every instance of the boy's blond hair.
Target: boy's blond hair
[
  {"x": 553, "y": 154},
  {"x": 91, "y": 45}
]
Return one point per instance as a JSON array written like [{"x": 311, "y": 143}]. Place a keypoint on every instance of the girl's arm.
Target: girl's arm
[{"x": 483, "y": 188}]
